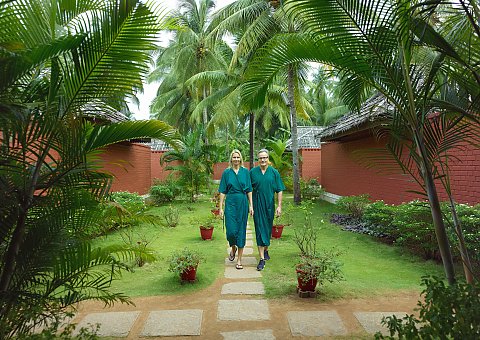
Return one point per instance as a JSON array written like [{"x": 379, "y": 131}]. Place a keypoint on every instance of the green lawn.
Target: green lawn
[{"x": 370, "y": 267}]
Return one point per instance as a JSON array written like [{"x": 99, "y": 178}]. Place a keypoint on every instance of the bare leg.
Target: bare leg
[
  {"x": 240, "y": 254},
  {"x": 261, "y": 252}
]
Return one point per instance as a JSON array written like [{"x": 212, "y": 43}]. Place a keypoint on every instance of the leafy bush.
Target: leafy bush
[
  {"x": 469, "y": 217},
  {"x": 311, "y": 189},
  {"x": 133, "y": 202},
  {"x": 171, "y": 217},
  {"x": 415, "y": 228},
  {"x": 378, "y": 217},
  {"x": 164, "y": 192},
  {"x": 448, "y": 312},
  {"x": 354, "y": 205},
  {"x": 138, "y": 245}
]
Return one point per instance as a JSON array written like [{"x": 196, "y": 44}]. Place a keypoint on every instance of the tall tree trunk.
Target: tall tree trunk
[
  {"x": 251, "y": 138},
  {"x": 205, "y": 116},
  {"x": 294, "y": 135},
  {"x": 467, "y": 266},
  {"x": 440, "y": 231}
]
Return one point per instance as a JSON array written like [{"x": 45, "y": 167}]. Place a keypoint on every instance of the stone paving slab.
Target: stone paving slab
[
  {"x": 245, "y": 273},
  {"x": 246, "y": 251},
  {"x": 249, "y": 243},
  {"x": 264, "y": 334},
  {"x": 315, "y": 323},
  {"x": 246, "y": 261},
  {"x": 173, "y": 323},
  {"x": 243, "y": 288},
  {"x": 243, "y": 310},
  {"x": 115, "y": 324},
  {"x": 372, "y": 321},
  {"x": 249, "y": 237}
]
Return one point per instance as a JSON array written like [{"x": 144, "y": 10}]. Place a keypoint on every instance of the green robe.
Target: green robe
[
  {"x": 264, "y": 188},
  {"x": 235, "y": 187}
]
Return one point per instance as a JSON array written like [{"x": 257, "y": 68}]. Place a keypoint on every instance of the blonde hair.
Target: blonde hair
[{"x": 230, "y": 164}]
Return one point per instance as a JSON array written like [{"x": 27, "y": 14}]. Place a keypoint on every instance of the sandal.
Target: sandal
[
  {"x": 231, "y": 257},
  {"x": 238, "y": 266}
]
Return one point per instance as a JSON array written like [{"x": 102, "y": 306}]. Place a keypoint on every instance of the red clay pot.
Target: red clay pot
[
  {"x": 189, "y": 274},
  {"x": 277, "y": 231},
  {"x": 306, "y": 286},
  {"x": 206, "y": 233}
]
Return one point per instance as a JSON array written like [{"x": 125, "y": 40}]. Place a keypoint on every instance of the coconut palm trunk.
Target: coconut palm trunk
[{"x": 294, "y": 135}]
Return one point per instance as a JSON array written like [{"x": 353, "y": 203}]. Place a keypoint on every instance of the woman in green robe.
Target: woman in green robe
[
  {"x": 266, "y": 182},
  {"x": 236, "y": 191}
]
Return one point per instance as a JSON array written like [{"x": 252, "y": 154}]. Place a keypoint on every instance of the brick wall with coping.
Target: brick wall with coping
[{"x": 344, "y": 174}]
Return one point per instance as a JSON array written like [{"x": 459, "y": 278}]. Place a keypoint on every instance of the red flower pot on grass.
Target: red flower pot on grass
[
  {"x": 189, "y": 274},
  {"x": 306, "y": 285},
  {"x": 206, "y": 232},
  {"x": 277, "y": 231}
]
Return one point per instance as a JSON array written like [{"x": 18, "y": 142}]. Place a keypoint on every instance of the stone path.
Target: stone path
[{"x": 239, "y": 312}]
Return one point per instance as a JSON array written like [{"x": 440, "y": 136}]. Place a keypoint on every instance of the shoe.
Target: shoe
[
  {"x": 261, "y": 265},
  {"x": 266, "y": 256},
  {"x": 238, "y": 266},
  {"x": 231, "y": 256}
]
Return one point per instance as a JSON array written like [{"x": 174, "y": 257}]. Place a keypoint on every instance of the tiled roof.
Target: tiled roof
[
  {"x": 374, "y": 112},
  {"x": 306, "y": 137}
]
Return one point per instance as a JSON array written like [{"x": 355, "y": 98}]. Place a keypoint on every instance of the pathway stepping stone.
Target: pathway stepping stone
[
  {"x": 249, "y": 237},
  {"x": 243, "y": 288},
  {"x": 315, "y": 323},
  {"x": 173, "y": 323},
  {"x": 243, "y": 310},
  {"x": 246, "y": 251},
  {"x": 246, "y": 261},
  {"x": 249, "y": 243},
  {"x": 264, "y": 334},
  {"x": 245, "y": 273},
  {"x": 115, "y": 324},
  {"x": 372, "y": 321}
]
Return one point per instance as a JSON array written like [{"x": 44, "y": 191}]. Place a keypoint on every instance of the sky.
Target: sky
[{"x": 145, "y": 98}]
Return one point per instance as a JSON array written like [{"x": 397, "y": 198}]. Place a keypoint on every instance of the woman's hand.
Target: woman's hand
[
  {"x": 251, "y": 210},
  {"x": 220, "y": 212}
]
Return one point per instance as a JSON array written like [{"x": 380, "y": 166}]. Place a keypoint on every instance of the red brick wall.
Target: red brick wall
[
  {"x": 218, "y": 170},
  {"x": 130, "y": 164},
  {"x": 311, "y": 164},
  {"x": 342, "y": 174},
  {"x": 158, "y": 171}
]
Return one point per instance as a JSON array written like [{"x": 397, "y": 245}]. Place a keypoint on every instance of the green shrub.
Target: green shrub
[
  {"x": 415, "y": 228},
  {"x": 354, "y": 205},
  {"x": 311, "y": 189},
  {"x": 379, "y": 216},
  {"x": 448, "y": 312},
  {"x": 171, "y": 217},
  {"x": 164, "y": 192},
  {"x": 469, "y": 217},
  {"x": 133, "y": 202}
]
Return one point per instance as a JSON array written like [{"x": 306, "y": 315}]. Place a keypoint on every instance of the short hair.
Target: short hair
[
  {"x": 230, "y": 164},
  {"x": 263, "y": 150}
]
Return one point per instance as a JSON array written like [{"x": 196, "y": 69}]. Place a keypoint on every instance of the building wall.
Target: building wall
[
  {"x": 130, "y": 164},
  {"x": 311, "y": 164},
  {"x": 218, "y": 170},
  {"x": 344, "y": 173},
  {"x": 158, "y": 171}
]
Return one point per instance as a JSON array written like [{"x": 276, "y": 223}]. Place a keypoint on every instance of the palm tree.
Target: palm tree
[
  {"x": 190, "y": 52},
  {"x": 385, "y": 45},
  {"x": 61, "y": 67},
  {"x": 256, "y": 21}
]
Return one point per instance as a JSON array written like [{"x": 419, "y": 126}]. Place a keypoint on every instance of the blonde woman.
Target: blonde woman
[{"x": 236, "y": 191}]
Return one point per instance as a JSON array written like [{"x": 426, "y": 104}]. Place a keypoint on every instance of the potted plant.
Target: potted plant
[
  {"x": 185, "y": 263},
  {"x": 206, "y": 227},
  {"x": 285, "y": 219},
  {"x": 314, "y": 266},
  {"x": 317, "y": 269}
]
